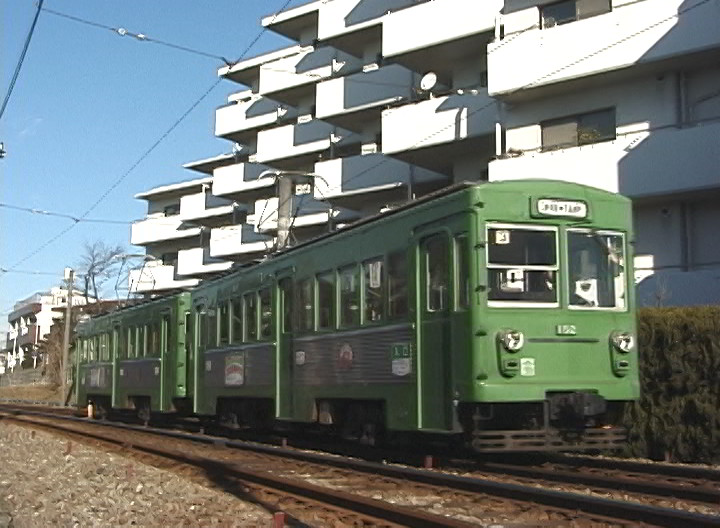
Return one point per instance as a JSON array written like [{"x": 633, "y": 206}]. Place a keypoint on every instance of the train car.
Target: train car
[
  {"x": 500, "y": 315},
  {"x": 135, "y": 358}
]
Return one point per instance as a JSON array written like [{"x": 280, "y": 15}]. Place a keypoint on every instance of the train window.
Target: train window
[
  {"x": 349, "y": 296},
  {"x": 165, "y": 333},
  {"x": 522, "y": 265},
  {"x": 286, "y": 292},
  {"x": 265, "y": 314},
  {"x": 462, "y": 272},
  {"x": 201, "y": 326},
  {"x": 212, "y": 328},
  {"x": 326, "y": 296},
  {"x": 250, "y": 317},
  {"x": 102, "y": 347},
  {"x": 397, "y": 285},
  {"x": 224, "y": 323},
  {"x": 374, "y": 289},
  {"x": 141, "y": 348},
  {"x": 435, "y": 251},
  {"x": 304, "y": 306},
  {"x": 596, "y": 270},
  {"x": 153, "y": 346},
  {"x": 237, "y": 320},
  {"x": 131, "y": 343}
]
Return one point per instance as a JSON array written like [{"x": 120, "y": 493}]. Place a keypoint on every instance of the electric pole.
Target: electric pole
[{"x": 70, "y": 278}]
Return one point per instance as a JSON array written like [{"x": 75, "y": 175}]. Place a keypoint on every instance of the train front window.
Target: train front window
[
  {"x": 596, "y": 270},
  {"x": 522, "y": 265}
]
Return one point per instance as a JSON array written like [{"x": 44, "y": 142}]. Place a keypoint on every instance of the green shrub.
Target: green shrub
[{"x": 678, "y": 415}]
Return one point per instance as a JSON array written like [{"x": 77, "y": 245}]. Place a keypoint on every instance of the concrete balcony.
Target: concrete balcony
[
  {"x": 443, "y": 33},
  {"x": 292, "y": 79},
  {"x": 311, "y": 217},
  {"x": 160, "y": 229},
  {"x": 681, "y": 160},
  {"x": 370, "y": 181},
  {"x": 353, "y": 25},
  {"x": 655, "y": 34},
  {"x": 155, "y": 276},
  {"x": 247, "y": 72},
  {"x": 241, "y": 182},
  {"x": 198, "y": 261},
  {"x": 208, "y": 165},
  {"x": 438, "y": 121},
  {"x": 239, "y": 242},
  {"x": 247, "y": 113},
  {"x": 291, "y": 146},
  {"x": 205, "y": 209},
  {"x": 356, "y": 99}
]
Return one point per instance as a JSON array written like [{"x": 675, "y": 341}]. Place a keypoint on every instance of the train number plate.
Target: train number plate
[{"x": 565, "y": 329}]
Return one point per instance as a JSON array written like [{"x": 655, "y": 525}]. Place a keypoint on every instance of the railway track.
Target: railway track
[{"x": 289, "y": 471}]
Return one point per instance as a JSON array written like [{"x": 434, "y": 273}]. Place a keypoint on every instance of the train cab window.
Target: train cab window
[
  {"x": 266, "y": 330},
  {"x": 397, "y": 285},
  {"x": 285, "y": 287},
  {"x": 374, "y": 290},
  {"x": 435, "y": 251},
  {"x": 304, "y": 317},
  {"x": 224, "y": 324},
  {"x": 212, "y": 327},
  {"x": 326, "y": 297},
  {"x": 237, "y": 320},
  {"x": 82, "y": 350},
  {"x": 165, "y": 331},
  {"x": 250, "y": 317},
  {"x": 102, "y": 347},
  {"x": 596, "y": 270},
  {"x": 349, "y": 296},
  {"x": 522, "y": 265}
]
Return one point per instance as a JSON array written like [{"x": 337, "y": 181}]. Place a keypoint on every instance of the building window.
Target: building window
[
  {"x": 571, "y": 10},
  {"x": 581, "y": 129},
  {"x": 172, "y": 209}
]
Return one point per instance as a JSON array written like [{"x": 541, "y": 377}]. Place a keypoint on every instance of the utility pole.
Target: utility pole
[{"x": 70, "y": 278}]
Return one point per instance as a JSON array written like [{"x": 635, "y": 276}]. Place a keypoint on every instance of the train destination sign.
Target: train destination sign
[{"x": 554, "y": 207}]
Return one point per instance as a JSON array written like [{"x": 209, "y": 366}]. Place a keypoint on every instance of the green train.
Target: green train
[{"x": 498, "y": 315}]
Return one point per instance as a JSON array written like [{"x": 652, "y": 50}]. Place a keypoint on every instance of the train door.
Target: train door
[
  {"x": 284, "y": 359},
  {"x": 434, "y": 341}
]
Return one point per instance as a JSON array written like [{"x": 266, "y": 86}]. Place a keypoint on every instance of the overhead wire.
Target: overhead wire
[
  {"x": 21, "y": 59},
  {"x": 43, "y": 212},
  {"x": 119, "y": 180}
]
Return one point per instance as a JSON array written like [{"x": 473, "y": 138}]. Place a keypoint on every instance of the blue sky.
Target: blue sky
[{"x": 88, "y": 103}]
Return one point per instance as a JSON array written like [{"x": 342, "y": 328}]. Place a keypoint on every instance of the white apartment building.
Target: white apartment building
[
  {"x": 30, "y": 322},
  {"x": 384, "y": 101}
]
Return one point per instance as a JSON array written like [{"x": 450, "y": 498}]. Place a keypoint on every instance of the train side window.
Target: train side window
[
  {"x": 462, "y": 272},
  {"x": 266, "y": 330},
  {"x": 153, "y": 347},
  {"x": 287, "y": 299},
  {"x": 237, "y": 320},
  {"x": 131, "y": 342},
  {"x": 397, "y": 285},
  {"x": 224, "y": 323},
  {"x": 435, "y": 250},
  {"x": 212, "y": 328},
  {"x": 165, "y": 333},
  {"x": 91, "y": 349},
  {"x": 141, "y": 343},
  {"x": 374, "y": 290},
  {"x": 102, "y": 347},
  {"x": 326, "y": 297},
  {"x": 349, "y": 296},
  {"x": 82, "y": 350},
  {"x": 250, "y": 317},
  {"x": 200, "y": 326},
  {"x": 304, "y": 317}
]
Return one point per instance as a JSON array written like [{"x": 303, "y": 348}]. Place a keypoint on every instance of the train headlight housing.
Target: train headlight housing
[
  {"x": 623, "y": 341},
  {"x": 512, "y": 340}
]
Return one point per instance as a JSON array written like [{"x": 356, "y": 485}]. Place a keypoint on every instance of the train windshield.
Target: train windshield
[
  {"x": 522, "y": 265},
  {"x": 596, "y": 270}
]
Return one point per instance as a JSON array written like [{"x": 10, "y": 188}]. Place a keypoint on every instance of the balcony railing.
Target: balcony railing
[
  {"x": 156, "y": 276},
  {"x": 197, "y": 261},
  {"x": 239, "y": 242},
  {"x": 159, "y": 229},
  {"x": 242, "y": 182},
  {"x": 240, "y": 119}
]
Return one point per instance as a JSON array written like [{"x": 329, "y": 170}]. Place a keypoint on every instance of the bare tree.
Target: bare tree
[{"x": 98, "y": 263}]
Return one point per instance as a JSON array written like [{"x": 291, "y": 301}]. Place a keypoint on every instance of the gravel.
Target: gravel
[{"x": 46, "y": 481}]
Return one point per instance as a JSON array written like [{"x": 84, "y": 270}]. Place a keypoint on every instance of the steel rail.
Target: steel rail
[{"x": 628, "y": 511}]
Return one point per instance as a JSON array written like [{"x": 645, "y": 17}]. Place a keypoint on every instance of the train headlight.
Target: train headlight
[
  {"x": 623, "y": 341},
  {"x": 512, "y": 340}
]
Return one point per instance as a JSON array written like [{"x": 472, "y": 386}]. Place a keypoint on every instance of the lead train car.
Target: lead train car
[
  {"x": 135, "y": 358},
  {"x": 500, "y": 315}
]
